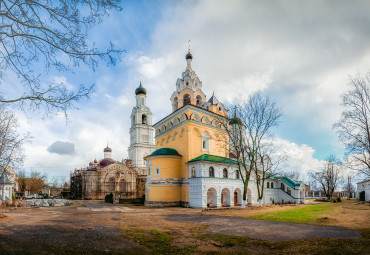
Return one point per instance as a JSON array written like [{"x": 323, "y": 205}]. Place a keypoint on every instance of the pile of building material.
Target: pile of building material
[{"x": 46, "y": 202}]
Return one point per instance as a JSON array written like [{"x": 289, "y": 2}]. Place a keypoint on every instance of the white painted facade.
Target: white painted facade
[
  {"x": 364, "y": 186},
  {"x": 6, "y": 187},
  {"x": 141, "y": 133},
  {"x": 227, "y": 191}
]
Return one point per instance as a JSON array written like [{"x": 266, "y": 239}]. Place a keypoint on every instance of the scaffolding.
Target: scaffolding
[{"x": 117, "y": 178}]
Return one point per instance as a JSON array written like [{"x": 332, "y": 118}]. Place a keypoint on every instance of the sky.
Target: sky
[{"x": 300, "y": 53}]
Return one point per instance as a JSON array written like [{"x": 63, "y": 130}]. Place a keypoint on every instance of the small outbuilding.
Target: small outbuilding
[
  {"x": 363, "y": 190},
  {"x": 6, "y": 187}
]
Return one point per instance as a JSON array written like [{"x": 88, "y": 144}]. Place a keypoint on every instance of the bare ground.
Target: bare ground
[{"x": 94, "y": 227}]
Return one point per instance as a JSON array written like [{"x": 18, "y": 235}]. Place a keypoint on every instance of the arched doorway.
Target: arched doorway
[
  {"x": 362, "y": 196},
  {"x": 237, "y": 197},
  {"x": 211, "y": 198},
  {"x": 111, "y": 185},
  {"x": 122, "y": 185},
  {"x": 225, "y": 197}
]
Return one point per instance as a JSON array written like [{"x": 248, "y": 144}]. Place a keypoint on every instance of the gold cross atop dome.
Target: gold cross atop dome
[{"x": 189, "y": 45}]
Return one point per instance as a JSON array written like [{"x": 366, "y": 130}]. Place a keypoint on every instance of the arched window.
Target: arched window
[
  {"x": 268, "y": 185},
  {"x": 282, "y": 186},
  {"x": 193, "y": 172},
  {"x": 199, "y": 100},
  {"x": 187, "y": 84},
  {"x": 237, "y": 176},
  {"x": 143, "y": 119},
  {"x": 186, "y": 99},
  {"x": 111, "y": 184},
  {"x": 205, "y": 142},
  {"x": 225, "y": 174},
  {"x": 122, "y": 186},
  {"x": 133, "y": 120},
  {"x": 175, "y": 104},
  {"x": 272, "y": 185},
  {"x": 211, "y": 172}
]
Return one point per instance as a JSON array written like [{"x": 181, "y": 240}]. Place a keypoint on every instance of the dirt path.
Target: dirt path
[{"x": 266, "y": 230}]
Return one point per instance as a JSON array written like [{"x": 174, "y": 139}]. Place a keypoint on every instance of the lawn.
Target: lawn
[
  {"x": 304, "y": 214},
  {"x": 349, "y": 214}
]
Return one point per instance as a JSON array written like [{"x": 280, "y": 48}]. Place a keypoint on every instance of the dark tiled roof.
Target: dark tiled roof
[
  {"x": 215, "y": 159},
  {"x": 165, "y": 151}
]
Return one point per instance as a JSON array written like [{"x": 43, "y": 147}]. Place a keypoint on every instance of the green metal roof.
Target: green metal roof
[
  {"x": 165, "y": 151},
  {"x": 215, "y": 159},
  {"x": 287, "y": 181}
]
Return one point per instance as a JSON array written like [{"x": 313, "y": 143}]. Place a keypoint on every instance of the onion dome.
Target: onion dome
[
  {"x": 165, "y": 151},
  {"x": 95, "y": 161},
  {"x": 106, "y": 162},
  {"x": 140, "y": 90},
  {"x": 107, "y": 149},
  {"x": 236, "y": 120},
  {"x": 189, "y": 56}
]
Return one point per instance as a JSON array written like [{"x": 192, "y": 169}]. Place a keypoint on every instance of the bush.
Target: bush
[
  {"x": 334, "y": 200},
  {"x": 282, "y": 201},
  {"x": 339, "y": 199},
  {"x": 273, "y": 201}
]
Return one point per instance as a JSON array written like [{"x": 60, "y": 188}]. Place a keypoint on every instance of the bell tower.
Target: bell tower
[{"x": 141, "y": 131}]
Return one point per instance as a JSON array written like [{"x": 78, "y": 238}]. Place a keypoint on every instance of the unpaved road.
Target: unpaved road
[{"x": 93, "y": 227}]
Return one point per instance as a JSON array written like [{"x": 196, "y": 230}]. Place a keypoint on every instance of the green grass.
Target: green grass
[
  {"x": 158, "y": 241},
  {"x": 304, "y": 214}
]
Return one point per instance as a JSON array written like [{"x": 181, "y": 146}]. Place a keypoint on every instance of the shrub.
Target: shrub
[
  {"x": 273, "y": 201},
  {"x": 339, "y": 199},
  {"x": 282, "y": 201},
  {"x": 334, "y": 200}
]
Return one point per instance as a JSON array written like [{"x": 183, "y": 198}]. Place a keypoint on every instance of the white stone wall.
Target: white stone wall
[
  {"x": 364, "y": 186},
  {"x": 206, "y": 191},
  {"x": 6, "y": 192}
]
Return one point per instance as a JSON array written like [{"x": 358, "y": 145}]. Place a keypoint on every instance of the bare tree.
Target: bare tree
[
  {"x": 329, "y": 178},
  {"x": 11, "y": 142},
  {"x": 249, "y": 127},
  {"x": 267, "y": 165},
  {"x": 293, "y": 174},
  {"x": 21, "y": 175},
  {"x": 348, "y": 186},
  {"x": 52, "y": 33},
  {"x": 354, "y": 126}
]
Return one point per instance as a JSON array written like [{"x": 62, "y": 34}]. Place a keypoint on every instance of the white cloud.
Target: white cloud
[
  {"x": 298, "y": 52},
  {"x": 299, "y": 157}
]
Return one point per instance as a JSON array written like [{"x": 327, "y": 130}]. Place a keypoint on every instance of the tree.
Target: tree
[
  {"x": 349, "y": 187},
  {"x": 248, "y": 129},
  {"x": 32, "y": 181},
  {"x": 353, "y": 128},
  {"x": 55, "y": 34},
  {"x": 35, "y": 181},
  {"x": 11, "y": 142},
  {"x": 329, "y": 178},
  {"x": 267, "y": 165},
  {"x": 22, "y": 176}
]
